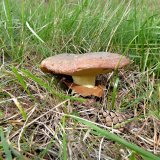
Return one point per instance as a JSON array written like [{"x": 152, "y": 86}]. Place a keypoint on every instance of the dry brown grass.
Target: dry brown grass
[{"x": 41, "y": 134}]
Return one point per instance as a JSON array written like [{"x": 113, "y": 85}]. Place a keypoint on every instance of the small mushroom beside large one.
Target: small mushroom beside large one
[{"x": 84, "y": 68}]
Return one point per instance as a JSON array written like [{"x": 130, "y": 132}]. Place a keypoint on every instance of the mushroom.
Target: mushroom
[{"x": 84, "y": 68}]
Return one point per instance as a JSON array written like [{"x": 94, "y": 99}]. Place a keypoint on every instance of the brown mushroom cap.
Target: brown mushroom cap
[{"x": 84, "y": 64}]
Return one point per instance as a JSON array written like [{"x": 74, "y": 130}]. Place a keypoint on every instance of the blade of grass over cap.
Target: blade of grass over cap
[{"x": 116, "y": 138}]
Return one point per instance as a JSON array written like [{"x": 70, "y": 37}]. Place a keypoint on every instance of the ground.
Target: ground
[{"x": 37, "y": 111}]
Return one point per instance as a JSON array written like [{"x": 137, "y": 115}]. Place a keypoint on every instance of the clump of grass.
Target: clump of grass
[{"x": 83, "y": 26}]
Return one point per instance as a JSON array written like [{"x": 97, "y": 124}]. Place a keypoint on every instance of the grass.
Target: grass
[{"x": 33, "y": 105}]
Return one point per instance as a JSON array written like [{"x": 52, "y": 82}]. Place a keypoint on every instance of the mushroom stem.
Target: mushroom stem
[{"x": 87, "y": 81}]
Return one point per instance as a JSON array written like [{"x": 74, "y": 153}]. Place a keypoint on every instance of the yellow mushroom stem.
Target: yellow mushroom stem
[{"x": 86, "y": 81}]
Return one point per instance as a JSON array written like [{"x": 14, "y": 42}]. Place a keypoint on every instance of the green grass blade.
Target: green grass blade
[
  {"x": 22, "y": 14},
  {"x": 22, "y": 111},
  {"x": 117, "y": 139},
  {"x": 7, "y": 10},
  {"x": 45, "y": 151},
  {"x": 22, "y": 33},
  {"x": 5, "y": 145},
  {"x": 64, "y": 139},
  {"x": 146, "y": 158},
  {"x": 21, "y": 80},
  {"x": 1, "y": 114},
  {"x": 158, "y": 90},
  {"x": 50, "y": 89},
  {"x": 34, "y": 33},
  {"x": 132, "y": 156},
  {"x": 18, "y": 105},
  {"x": 114, "y": 93}
]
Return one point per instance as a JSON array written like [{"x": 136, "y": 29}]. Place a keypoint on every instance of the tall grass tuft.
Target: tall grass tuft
[
  {"x": 82, "y": 26},
  {"x": 9, "y": 25}
]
